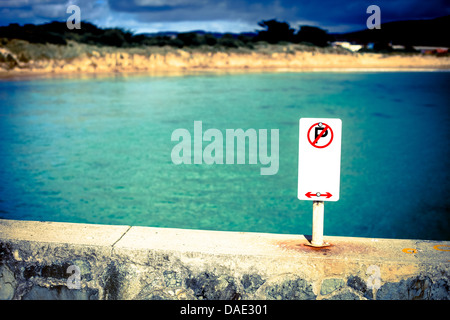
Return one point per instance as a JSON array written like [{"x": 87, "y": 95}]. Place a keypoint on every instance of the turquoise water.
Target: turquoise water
[{"x": 98, "y": 150}]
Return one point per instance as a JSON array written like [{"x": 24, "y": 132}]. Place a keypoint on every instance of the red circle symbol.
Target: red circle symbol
[{"x": 326, "y": 127}]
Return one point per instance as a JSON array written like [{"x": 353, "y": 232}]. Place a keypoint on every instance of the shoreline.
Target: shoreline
[
  {"x": 33, "y": 75},
  {"x": 150, "y": 61}
]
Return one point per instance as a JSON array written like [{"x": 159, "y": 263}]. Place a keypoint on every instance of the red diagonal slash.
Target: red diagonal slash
[{"x": 321, "y": 134}]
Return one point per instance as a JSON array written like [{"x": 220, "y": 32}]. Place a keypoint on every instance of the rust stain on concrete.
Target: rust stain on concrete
[{"x": 333, "y": 249}]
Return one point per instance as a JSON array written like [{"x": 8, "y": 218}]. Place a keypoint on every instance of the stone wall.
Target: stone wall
[{"x": 48, "y": 260}]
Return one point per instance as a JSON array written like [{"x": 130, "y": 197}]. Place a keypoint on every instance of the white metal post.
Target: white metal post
[{"x": 317, "y": 234}]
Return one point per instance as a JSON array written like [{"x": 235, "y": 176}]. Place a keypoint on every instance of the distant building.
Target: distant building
[
  {"x": 347, "y": 45},
  {"x": 431, "y": 50},
  {"x": 398, "y": 47}
]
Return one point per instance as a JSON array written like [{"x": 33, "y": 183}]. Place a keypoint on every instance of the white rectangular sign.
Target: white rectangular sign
[{"x": 319, "y": 164}]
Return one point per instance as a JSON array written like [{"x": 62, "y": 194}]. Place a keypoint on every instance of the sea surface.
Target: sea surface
[{"x": 98, "y": 150}]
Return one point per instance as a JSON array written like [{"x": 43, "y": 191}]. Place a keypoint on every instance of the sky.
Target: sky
[{"x": 237, "y": 16}]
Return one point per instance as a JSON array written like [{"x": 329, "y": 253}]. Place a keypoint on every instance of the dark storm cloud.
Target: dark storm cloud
[
  {"x": 330, "y": 14},
  {"x": 41, "y": 11},
  {"x": 324, "y": 10},
  {"x": 198, "y": 10},
  {"x": 327, "y": 13}
]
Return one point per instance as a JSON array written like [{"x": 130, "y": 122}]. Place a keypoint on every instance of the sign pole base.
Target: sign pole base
[{"x": 317, "y": 234}]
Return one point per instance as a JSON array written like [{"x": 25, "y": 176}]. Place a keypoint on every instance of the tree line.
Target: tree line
[{"x": 273, "y": 32}]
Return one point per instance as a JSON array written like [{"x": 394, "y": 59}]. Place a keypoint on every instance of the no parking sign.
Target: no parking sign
[{"x": 319, "y": 159}]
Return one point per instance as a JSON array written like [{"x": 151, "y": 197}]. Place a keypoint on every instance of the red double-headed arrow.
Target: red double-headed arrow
[{"x": 310, "y": 194}]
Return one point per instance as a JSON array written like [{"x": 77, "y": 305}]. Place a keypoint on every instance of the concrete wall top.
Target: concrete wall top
[{"x": 225, "y": 243}]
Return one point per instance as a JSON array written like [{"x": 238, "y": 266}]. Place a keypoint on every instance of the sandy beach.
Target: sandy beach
[{"x": 101, "y": 60}]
